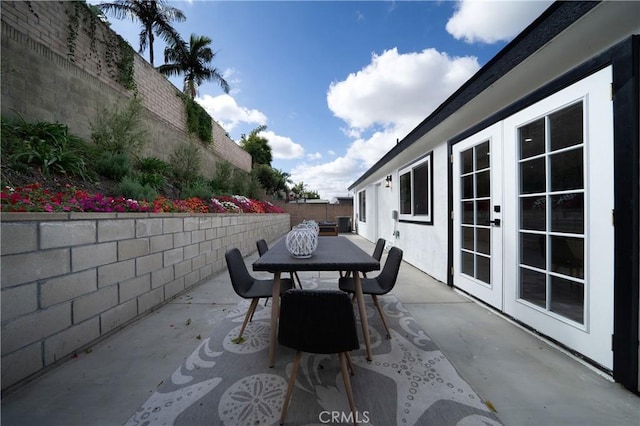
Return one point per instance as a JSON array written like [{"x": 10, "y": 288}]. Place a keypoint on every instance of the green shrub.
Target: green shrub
[
  {"x": 48, "y": 146},
  {"x": 239, "y": 182},
  {"x": 153, "y": 165},
  {"x": 254, "y": 188},
  {"x": 113, "y": 165},
  {"x": 197, "y": 189},
  {"x": 153, "y": 172},
  {"x": 132, "y": 188},
  {"x": 154, "y": 180},
  {"x": 185, "y": 164},
  {"x": 121, "y": 131},
  {"x": 221, "y": 183}
]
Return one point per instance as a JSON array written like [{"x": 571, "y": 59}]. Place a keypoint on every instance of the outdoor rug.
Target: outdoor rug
[{"x": 409, "y": 381}]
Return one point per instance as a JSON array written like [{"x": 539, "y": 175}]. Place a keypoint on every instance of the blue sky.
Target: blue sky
[{"x": 336, "y": 83}]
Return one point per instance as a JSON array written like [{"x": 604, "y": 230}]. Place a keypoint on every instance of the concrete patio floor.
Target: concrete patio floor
[{"x": 527, "y": 380}]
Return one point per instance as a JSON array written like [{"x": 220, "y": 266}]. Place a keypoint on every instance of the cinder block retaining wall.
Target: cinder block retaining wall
[{"x": 68, "y": 279}]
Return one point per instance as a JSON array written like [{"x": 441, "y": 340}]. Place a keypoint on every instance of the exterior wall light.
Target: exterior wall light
[{"x": 388, "y": 184}]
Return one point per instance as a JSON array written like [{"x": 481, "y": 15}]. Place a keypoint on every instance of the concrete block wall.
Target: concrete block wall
[
  {"x": 41, "y": 81},
  {"x": 70, "y": 279},
  {"x": 228, "y": 149}
]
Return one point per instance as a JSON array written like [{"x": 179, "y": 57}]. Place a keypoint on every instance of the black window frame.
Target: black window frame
[
  {"x": 362, "y": 206},
  {"x": 410, "y": 170}
]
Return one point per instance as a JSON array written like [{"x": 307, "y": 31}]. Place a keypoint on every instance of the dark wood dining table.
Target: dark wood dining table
[{"x": 332, "y": 254}]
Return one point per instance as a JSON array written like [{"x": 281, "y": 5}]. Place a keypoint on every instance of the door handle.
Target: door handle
[{"x": 495, "y": 222}]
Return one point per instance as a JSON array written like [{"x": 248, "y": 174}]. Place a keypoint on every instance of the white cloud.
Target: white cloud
[
  {"x": 314, "y": 156},
  {"x": 333, "y": 178},
  {"x": 381, "y": 103},
  {"x": 397, "y": 89},
  {"x": 282, "y": 147},
  {"x": 493, "y": 21},
  {"x": 233, "y": 78},
  {"x": 228, "y": 113},
  {"x": 329, "y": 179}
]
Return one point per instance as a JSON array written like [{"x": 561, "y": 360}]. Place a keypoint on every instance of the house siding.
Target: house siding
[{"x": 559, "y": 55}]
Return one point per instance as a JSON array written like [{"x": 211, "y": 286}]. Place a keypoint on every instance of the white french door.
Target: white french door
[
  {"x": 558, "y": 216},
  {"x": 477, "y": 215},
  {"x": 532, "y": 216}
]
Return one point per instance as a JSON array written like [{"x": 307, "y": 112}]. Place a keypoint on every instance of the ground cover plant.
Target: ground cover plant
[{"x": 45, "y": 168}]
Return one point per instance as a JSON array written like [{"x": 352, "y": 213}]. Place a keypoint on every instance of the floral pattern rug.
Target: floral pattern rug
[{"x": 409, "y": 381}]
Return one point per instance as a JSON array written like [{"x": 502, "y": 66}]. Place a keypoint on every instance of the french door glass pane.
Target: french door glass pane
[
  {"x": 467, "y": 212},
  {"x": 567, "y": 170},
  {"x": 483, "y": 240},
  {"x": 466, "y": 163},
  {"x": 567, "y": 213},
  {"x": 483, "y": 212},
  {"x": 467, "y": 187},
  {"x": 532, "y": 139},
  {"x": 533, "y": 213},
  {"x": 532, "y": 176},
  {"x": 567, "y": 299},
  {"x": 482, "y": 156},
  {"x": 566, "y": 127},
  {"x": 533, "y": 287},
  {"x": 567, "y": 256},
  {"x": 533, "y": 250},
  {"x": 483, "y": 184},
  {"x": 467, "y": 264},
  {"x": 483, "y": 268},
  {"x": 467, "y": 238}
]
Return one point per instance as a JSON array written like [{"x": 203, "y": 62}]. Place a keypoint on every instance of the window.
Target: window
[
  {"x": 475, "y": 197},
  {"x": 552, "y": 212},
  {"x": 362, "y": 206},
  {"x": 416, "y": 191}
]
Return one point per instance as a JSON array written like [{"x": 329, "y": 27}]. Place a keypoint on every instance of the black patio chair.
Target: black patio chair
[
  {"x": 247, "y": 286},
  {"x": 377, "y": 251},
  {"x": 377, "y": 254},
  {"x": 263, "y": 247},
  {"x": 377, "y": 286},
  {"x": 321, "y": 322}
]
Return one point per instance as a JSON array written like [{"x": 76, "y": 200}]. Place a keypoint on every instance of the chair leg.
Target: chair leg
[
  {"x": 292, "y": 382},
  {"x": 384, "y": 321},
  {"x": 249, "y": 315},
  {"x": 350, "y": 363},
  {"x": 266, "y": 300},
  {"x": 347, "y": 384},
  {"x": 295, "y": 275}
]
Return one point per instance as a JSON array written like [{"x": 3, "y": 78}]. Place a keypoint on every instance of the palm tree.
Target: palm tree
[
  {"x": 154, "y": 15},
  {"x": 257, "y": 146},
  {"x": 283, "y": 179},
  {"x": 192, "y": 60}
]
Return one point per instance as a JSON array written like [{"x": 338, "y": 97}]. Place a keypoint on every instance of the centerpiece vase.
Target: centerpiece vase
[{"x": 301, "y": 242}]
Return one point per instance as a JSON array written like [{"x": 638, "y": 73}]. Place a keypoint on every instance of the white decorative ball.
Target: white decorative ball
[
  {"x": 301, "y": 242},
  {"x": 312, "y": 224}
]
